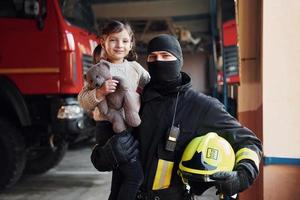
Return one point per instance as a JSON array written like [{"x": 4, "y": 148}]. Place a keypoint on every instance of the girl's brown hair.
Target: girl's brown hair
[
  {"x": 115, "y": 26},
  {"x": 96, "y": 54}
]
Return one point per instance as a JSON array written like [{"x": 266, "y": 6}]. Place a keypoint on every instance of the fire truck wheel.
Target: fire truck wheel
[
  {"x": 42, "y": 159},
  {"x": 12, "y": 154}
]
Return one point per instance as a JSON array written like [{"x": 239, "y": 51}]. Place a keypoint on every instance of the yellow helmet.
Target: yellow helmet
[{"x": 204, "y": 156}]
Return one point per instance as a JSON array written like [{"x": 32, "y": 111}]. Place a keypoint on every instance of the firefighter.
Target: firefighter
[{"x": 172, "y": 114}]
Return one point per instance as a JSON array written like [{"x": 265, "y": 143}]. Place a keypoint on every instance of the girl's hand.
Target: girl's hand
[{"x": 108, "y": 86}]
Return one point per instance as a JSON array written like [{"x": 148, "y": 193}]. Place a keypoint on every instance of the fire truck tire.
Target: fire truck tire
[
  {"x": 12, "y": 154},
  {"x": 46, "y": 159}
]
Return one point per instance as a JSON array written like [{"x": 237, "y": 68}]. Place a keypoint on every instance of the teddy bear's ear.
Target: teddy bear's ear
[{"x": 104, "y": 63}]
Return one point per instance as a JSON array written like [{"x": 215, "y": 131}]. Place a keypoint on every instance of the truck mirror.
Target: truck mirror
[
  {"x": 40, "y": 22},
  {"x": 37, "y": 10},
  {"x": 31, "y": 7}
]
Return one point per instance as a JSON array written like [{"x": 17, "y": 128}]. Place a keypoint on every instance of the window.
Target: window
[
  {"x": 78, "y": 13},
  {"x": 22, "y": 8}
]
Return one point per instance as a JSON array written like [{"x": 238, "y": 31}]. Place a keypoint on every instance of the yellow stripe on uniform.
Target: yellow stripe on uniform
[
  {"x": 163, "y": 174},
  {"x": 246, "y": 153}
]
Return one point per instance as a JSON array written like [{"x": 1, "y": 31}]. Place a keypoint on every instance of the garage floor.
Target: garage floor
[{"x": 73, "y": 179}]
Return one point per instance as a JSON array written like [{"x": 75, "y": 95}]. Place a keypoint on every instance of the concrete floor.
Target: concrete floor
[{"x": 73, "y": 179}]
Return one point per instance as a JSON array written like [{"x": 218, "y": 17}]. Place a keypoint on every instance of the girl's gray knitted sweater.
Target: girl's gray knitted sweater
[{"x": 130, "y": 70}]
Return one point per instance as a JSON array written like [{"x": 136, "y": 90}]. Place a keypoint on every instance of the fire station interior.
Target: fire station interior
[
  {"x": 251, "y": 79},
  {"x": 194, "y": 23},
  {"x": 251, "y": 44}
]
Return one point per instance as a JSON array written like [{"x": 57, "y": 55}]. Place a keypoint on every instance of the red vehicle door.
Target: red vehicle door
[{"x": 29, "y": 53}]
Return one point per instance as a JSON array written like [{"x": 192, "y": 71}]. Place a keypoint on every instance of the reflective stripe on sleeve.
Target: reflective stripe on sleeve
[
  {"x": 163, "y": 174},
  {"x": 246, "y": 153}
]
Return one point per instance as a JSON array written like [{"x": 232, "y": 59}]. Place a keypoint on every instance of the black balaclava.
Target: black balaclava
[{"x": 165, "y": 75}]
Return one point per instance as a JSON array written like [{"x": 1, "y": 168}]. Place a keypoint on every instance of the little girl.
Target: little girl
[{"x": 117, "y": 48}]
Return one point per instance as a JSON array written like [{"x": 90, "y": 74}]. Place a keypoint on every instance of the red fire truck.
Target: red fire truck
[{"x": 45, "y": 47}]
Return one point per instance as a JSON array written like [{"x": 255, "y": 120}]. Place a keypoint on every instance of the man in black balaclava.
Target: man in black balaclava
[
  {"x": 169, "y": 101},
  {"x": 165, "y": 61}
]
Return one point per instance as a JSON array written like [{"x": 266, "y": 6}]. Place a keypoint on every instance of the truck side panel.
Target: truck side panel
[
  {"x": 75, "y": 57},
  {"x": 29, "y": 55}
]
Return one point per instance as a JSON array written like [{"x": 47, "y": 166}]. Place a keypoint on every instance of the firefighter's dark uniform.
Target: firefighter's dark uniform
[{"x": 196, "y": 115}]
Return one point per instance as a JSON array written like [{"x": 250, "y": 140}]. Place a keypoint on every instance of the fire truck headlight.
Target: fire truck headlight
[{"x": 70, "y": 112}]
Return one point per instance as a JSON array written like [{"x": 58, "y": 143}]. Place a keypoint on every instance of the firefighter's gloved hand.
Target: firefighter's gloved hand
[
  {"x": 230, "y": 183},
  {"x": 122, "y": 147},
  {"x": 119, "y": 149}
]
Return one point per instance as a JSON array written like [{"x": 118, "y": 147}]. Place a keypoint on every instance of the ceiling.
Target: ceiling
[{"x": 188, "y": 20}]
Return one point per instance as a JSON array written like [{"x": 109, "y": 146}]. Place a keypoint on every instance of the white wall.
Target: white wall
[
  {"x": 281, "y": 78},
  {"x": 194, "y": 66}
]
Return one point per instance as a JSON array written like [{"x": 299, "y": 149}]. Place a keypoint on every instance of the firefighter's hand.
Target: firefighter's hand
[
  {"x": 109, "y": 86},
  {"x": 124, "y": 147},
  {"x": 119, "y": 149},
  {"x": 230, "y": 183}
]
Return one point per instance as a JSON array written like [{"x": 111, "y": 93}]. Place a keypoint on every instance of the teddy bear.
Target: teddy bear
[{"x": 120, "y": 107}]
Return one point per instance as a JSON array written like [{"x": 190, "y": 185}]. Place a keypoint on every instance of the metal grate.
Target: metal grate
[
  {"x": 231, "y": 60},
  {"x": 87, "y": 61}
]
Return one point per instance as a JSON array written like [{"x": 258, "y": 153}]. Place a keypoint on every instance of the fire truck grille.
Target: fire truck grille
[{"x": 87, "y": 62}]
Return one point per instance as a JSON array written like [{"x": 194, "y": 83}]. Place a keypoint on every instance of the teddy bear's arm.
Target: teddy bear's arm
[
  {"x": 123, "y": 83},
  {"x": 103, "y": 107},
  {"x": 131, "y": 108}
]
